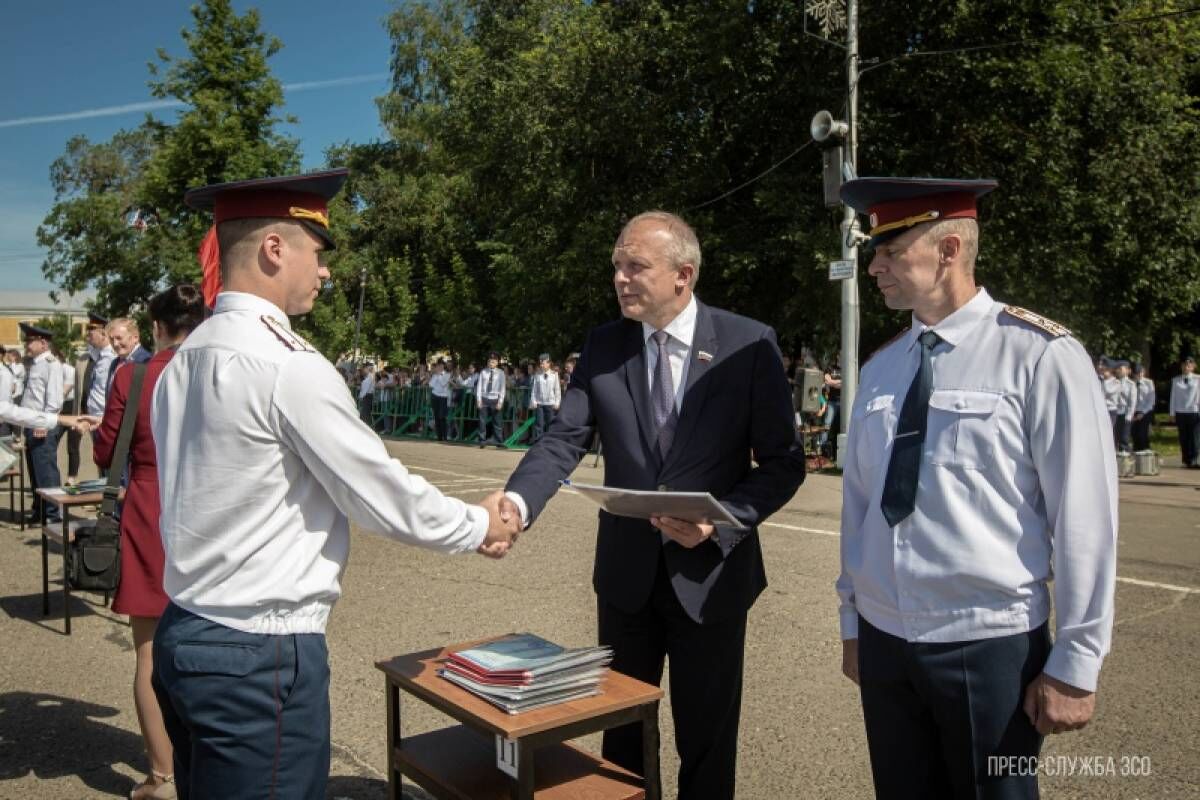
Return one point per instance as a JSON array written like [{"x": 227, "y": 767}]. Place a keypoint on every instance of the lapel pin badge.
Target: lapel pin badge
[{"x": 703, "y": 356}]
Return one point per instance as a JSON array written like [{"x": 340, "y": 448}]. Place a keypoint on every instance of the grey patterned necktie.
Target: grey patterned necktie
[
  {"x": 662, "y": 395},
  {"x": 900, "y": 486}
]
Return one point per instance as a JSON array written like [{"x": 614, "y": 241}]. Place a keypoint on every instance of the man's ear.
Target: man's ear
[
  {"x": 271, "y": 249},
  {"x": 949, "y": 247},
  {"x": 683, "y": 277}
]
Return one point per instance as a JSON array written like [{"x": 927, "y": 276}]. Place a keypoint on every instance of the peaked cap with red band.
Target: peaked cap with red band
[
  {"x": 894, "y": 205},
  {"x": 303, "y": 198}
]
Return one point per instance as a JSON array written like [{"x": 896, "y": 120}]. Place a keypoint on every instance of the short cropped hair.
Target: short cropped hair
[
  {"x": 123, "y": 322},
  {"x": 967, "y": 231},
  {"x": 238, "y": 238},
  {"x": 685, "y": 247}
]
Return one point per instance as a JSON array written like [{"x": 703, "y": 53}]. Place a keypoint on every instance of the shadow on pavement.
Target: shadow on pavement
[
  {"x": 54, "y": 737},
  {"x": 28, "y": 607}
]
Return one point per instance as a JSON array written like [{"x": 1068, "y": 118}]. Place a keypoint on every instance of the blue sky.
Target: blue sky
[{"x": 67, "y": 57}]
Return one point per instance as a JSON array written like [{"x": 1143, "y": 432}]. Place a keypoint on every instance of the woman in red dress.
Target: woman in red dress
[{"x": 174, "y": 313}]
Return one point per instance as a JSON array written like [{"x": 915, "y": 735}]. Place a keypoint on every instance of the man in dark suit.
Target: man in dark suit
[{"x": 683, "y": 396}]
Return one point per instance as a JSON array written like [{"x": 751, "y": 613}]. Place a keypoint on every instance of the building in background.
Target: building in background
[{"x": 26, "y": 306}]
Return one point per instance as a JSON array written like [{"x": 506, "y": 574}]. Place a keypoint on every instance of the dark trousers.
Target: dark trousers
[
  {"x": 706, "y": 687},
  {"x": 1189, "y": 437},
  {"x": 1140, "y": 429},
  {"x": 541, "y": 423},
  {"x": 73, "y": 439},
  {"x": 489, "y": 424},
  {"x": 42, "y": 457},
  {"x": 1120, "y": 431},
  {"x": 247, "y": 713},
  {"x": 940, "y": 717},
  {"x": 365, "y": 404},
  {"x": 440, "y": 407}
]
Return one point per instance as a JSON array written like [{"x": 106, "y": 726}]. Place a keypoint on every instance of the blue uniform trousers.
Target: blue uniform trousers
[
  {"x": 247, "y": 713},
  {"x": 42, "y": 458},
  {"x": 489, "y": 420},
  {"x": 941, "y": 717}
]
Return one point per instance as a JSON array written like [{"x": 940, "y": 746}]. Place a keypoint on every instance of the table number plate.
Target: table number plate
[{"x": 508, "y": 754}]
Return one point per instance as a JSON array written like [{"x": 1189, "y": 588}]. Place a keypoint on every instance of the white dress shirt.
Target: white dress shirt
[
  {"x": 261, "y": 459},
  {"x": 68, "y": 372},
  {"x": 1126, "y": 398},
  {"x": 680, "y": 332},
  {"x": 1145, "y": 396},
  {"x": 1185, "y": 394},
  {"x": 18, "y": 372},
  {"x": 104, "y": 360},
  {"x": 1112, "y": 394},
  {"x": 44, "y": 385},
  {"x": 14, "y": 414},
  {"x": 491, "y": 385},
  {"x": 1017, "y": 485},
  {"x": 367, "y": 386},
  {"x": 439, "y": 384},
  {"x": 545, "y": 390}
]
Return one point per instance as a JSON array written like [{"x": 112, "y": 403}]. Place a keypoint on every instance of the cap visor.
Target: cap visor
[{"x": 320, "y": 232}]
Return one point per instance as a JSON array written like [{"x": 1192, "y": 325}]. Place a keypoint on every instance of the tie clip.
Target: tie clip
[
  {"x": 703, "y": 356},
  {"x": 902, "y": 435}
]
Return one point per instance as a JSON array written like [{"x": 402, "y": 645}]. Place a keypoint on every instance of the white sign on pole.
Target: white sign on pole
[{"x": 841, "y": 270}]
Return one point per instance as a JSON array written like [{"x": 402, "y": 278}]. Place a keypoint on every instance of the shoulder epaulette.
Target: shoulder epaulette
[
  {"x": 899, "y": 335},
  {"x": 284, "y": 334},
  {"x": 1038, "y": 321}
]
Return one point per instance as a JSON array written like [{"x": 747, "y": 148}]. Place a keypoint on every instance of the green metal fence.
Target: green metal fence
[{"x": 408, "y": 413}]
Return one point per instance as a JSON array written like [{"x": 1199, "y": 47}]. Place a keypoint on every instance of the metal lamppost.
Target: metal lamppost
[{"x": 839, "y": 140}]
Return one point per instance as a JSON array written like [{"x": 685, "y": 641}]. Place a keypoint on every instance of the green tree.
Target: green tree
[
  {"x": 225, "y": 132},
  {"x": 68, "y": 337}
]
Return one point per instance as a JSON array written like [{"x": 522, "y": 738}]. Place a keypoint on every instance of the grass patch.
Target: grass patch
[{"x": 1164, "y": 437}]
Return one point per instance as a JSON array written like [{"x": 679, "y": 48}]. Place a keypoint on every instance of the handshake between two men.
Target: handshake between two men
[{"x": 504, "y": 524}]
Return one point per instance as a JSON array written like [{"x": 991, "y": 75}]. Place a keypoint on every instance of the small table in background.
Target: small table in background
[
  {"x": 66, "y": 502},
  {"x": 494, "y": 755}
]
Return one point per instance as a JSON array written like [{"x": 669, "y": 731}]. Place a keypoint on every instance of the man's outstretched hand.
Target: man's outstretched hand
[{"x": 504, "y": 523}]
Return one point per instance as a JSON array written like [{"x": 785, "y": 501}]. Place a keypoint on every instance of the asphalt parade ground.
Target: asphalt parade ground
[{"x": 68, "y": 727}]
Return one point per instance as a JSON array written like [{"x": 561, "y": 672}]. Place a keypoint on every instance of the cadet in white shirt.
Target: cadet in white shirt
[
  {"x": 43, "y": 393},
  {"x": 15, "y": 415},
  {"x": 1143, "y": 408},
  {"x": 490, "y": 388},
  {"x": 1185, "y": 411},
  {"x": 262, "y": 463},
  {"x": 1126, "y": 403},
  {"x": 439, "y": 390},
  {"x": 979, "y": 465},
  {"x": 545, "y": 396}
]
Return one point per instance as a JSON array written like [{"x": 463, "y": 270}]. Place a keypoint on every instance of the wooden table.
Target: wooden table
[
  {"x": 494, "y": 755},
  {"x": 66, "y": 502}
]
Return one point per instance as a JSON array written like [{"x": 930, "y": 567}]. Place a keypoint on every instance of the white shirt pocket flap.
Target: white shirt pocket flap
[
  {"x": 963, "y": 401},
  {"x": 879, "y": 403}
]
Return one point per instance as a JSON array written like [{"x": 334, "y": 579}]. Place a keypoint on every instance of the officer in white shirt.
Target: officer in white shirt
[
  {"x": 545, "y": 396},
  {"x": 1143, "y": 408},
  {"x": 13, "y": 414},
  {"x": 1185, "y": 411},
  {"x": 439, "y": 390},
  {"x": 979, "y": 466},
  {"x": 1126, "y": 404},
  {"x": 43, "y": 393},
  {"x": 101, "y": 359},
  {"x": 262, "y": 463},
  {"x": 490, "y": 388}
]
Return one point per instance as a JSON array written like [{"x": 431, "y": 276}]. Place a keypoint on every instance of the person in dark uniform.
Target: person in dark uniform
[{"x": 689, "y": 398}]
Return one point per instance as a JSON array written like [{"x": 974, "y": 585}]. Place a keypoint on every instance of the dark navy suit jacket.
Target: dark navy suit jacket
[{"x": 736, "y": 439}]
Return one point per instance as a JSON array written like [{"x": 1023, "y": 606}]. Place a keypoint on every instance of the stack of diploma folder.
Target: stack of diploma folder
[{"x": 521, "y": 671}]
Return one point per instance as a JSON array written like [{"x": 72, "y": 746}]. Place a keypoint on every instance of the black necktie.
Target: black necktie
[
  {"x": 662, "y": 395},
  {"x": 900, "y": 487}
]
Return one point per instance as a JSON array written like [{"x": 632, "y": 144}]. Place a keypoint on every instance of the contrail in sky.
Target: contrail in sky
[{"x": 156, "y": 105}]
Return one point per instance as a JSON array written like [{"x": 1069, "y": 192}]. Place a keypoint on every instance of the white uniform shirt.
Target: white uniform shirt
[
  {"x": 1112, "y": 394},
  {"x": 1126, "y": 398},
  {"x": 44, "y": 385},
  {"x": 104, "y": 360},
  {"x": 1145, "y": 396},
  {"x": 68, "y": 372},
  {"x": 367, "y": 386},
  {"x": 545, "y": 390},
  {"x": 261, "y": 459},
  {"x": 13, "y": 414},
  {"x": 439, "y": 384},
  {"x": 491, "y": 385},
  {"x": 18, "y": 373},
  {"x": 1017, "y": 484},
  {"x": 1185, "y": 394},
  {"x": 680, "y": 332}
]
